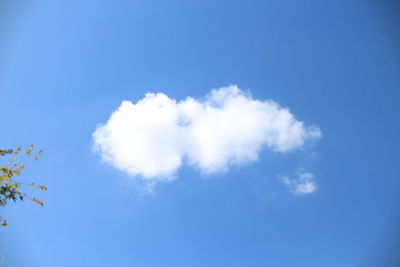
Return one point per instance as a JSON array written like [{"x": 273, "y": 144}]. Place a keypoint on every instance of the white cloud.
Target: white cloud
[
  {"x": 303, "y": 184},
  {"x": 153, "y": 137}
]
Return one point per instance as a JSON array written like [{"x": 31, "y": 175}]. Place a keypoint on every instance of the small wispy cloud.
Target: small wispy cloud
[
  {"x": 153, "y": 137},
  {"x": 303, "y": 184}
]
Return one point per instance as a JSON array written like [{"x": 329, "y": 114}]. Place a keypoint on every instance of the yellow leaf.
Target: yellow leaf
[
  {"x": 38, "y": 201},
  {"x": 43, "y": 187}
]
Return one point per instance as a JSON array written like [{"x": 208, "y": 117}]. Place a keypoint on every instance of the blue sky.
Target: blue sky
[{"x": 67, "y": 65}]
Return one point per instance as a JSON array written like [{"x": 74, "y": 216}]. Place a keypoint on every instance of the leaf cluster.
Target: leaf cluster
[{"x": 10, "y": 185}]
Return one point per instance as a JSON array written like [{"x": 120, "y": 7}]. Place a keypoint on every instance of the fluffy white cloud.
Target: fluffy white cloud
[
  {"x": 153, "y": 137},
  {"x": 303, "y": 184}
]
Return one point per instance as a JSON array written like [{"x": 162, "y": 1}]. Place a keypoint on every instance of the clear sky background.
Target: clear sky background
[{"x": 65, "y": 66}]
